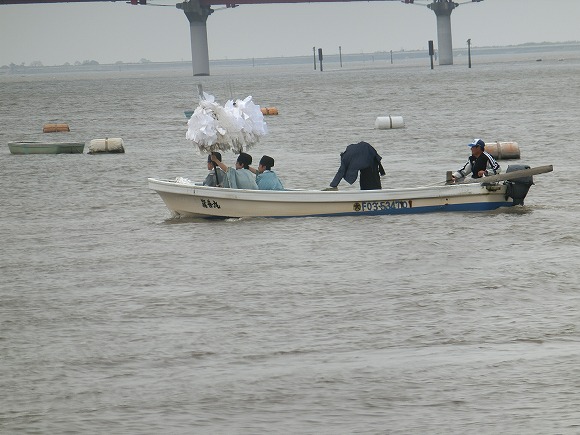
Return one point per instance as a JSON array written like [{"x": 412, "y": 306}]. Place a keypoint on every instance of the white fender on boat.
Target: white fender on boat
[
  {"x": 503, "y": 150},
  {"x": 107, "y": 145},
  {"x": 386, "y": 122}
]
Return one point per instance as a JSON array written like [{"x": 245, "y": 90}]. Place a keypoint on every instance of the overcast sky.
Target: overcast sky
[{"x": 109, "y": 32}]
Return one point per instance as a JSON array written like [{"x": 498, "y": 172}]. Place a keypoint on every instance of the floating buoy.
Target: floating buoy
[
  {"x": 269, "y": 111},
  {"x": 107, "y": 145},
  {"x": 503, "y": 150},
  {"x": 54, "y": 128},
  {"x": 386, "y": 122}
]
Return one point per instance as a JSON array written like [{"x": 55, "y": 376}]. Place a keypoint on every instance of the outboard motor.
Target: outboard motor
[{"x": 517, "y": 189}]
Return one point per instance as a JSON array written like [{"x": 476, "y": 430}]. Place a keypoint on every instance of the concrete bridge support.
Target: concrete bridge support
[
  {"x": 197, "y": 16},
  {"x": 443, "y": 9}
]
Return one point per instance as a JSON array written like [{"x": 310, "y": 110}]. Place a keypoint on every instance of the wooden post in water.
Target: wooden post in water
[
  {"x": 340, "y": 55},
  {"x": 431, "y": 52},
  {"x": 314, "y": 55},
  {"x": 320, "y": 57},
  {"x": 449, "y": 177},
  {"x": 469, "y": 51}
]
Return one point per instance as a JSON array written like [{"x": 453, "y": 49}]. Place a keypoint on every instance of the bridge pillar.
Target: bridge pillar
[
  {"x": 443, "y": 9},
  {"x": 197, "y": 16}
]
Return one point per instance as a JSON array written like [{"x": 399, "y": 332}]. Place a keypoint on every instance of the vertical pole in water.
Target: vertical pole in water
[
  {"x": 431, "y": 52},
  {"x": 320, "y": 57},
  {"x": 314, "y": 55},
  {"x": 340, "y": 54},
  {"x": 449, "y": 177},
  {"x": 443, "y": 9},
  {"x": 469, "y": 51},
  {"x": 391, "y": 57},
  {"x": 197, "y": 16}
]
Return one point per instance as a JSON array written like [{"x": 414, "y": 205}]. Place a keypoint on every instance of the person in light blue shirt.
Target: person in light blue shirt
[
  {"x": 266, "y": 179},
  {"x": 239, "y": 177}
]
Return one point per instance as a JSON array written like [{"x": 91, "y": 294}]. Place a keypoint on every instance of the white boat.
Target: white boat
[{"x": 490, "y": 193}]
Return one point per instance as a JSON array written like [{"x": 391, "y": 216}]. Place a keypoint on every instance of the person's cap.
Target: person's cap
[
  {"x": 216, "y": 154},
  {"x": 477, "y": 143},
  {"x": 267, "y": 161},
  {"x": 244, "y": 159}
]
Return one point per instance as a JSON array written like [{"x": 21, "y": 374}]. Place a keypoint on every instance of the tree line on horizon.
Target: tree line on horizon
[{"x": 39, "y": 64}]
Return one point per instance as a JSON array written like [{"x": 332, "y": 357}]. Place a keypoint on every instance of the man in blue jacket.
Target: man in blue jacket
[
  {"x": 359, "y": 157},
  {"x": 479, "y": 164}
]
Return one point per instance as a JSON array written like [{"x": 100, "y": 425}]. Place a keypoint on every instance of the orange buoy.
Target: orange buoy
[
  {"x": 54, "y": 128},
  {"x": 269, "y": 111},
  {"x": 503, "y": 150}
]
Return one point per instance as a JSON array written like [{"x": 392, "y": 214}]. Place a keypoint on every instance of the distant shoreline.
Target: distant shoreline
[{"x": 394, "y": 56}]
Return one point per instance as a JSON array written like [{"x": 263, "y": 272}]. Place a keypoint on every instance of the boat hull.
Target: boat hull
[
  {"x": 203, "y": 201},
  {"x": 46, "y": 147}
]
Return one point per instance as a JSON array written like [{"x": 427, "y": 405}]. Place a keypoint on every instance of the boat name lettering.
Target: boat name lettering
[
  {"x": 384, "y": 205},
  {"x": 209, "y": 203}
]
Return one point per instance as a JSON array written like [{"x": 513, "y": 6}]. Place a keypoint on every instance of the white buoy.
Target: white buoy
[
  {"x": 386, "y": 122},
  {"x": 107, "y": 145}
]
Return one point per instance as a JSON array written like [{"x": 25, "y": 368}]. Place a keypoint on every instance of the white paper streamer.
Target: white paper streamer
[{"x": 235, "y": 126}]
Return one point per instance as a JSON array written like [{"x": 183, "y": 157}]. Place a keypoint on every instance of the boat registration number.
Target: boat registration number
[{"x": 383, "y": 205}]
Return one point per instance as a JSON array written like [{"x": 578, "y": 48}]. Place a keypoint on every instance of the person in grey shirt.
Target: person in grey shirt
[{"x": 214, "y": 171}]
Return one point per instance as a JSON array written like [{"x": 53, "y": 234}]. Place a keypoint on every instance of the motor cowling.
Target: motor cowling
[{"x": 518, "y": 188}]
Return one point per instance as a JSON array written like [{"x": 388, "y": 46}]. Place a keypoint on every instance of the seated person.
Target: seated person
[
  {"x": 479, "y": 164},
  {"x": 210, "y": 180},
  {"x": 359, "y": 157},
  {"x": 266, "y": 179},
  {"x": 239, "y": 177}
]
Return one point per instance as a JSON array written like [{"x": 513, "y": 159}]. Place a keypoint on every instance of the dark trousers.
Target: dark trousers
[{"x": 370, "y": 178}]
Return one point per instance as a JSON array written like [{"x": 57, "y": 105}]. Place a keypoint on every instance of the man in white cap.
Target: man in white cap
[{"x": 479, "y": 164}]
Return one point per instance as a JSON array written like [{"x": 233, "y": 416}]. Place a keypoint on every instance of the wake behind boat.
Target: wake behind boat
[{"x": 192, "y": 200}]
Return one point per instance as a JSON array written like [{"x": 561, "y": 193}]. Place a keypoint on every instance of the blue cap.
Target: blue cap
[{"x": 477, "y": 143}]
